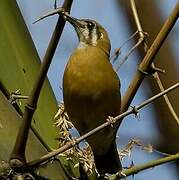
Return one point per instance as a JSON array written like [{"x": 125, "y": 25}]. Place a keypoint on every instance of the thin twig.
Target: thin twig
[
  {"x": 118, "y": 50},
  {"x": 109, "y": 122},
  {"x": 172, "y": 111},
  {"x": 155, "y": 74},
  {"x": 115, "y": 55},
  {"x": 55, "y": 4},
  {"x": 17, "y": 96},
  {"x": 50, "y": 13},
  {"x": 18, "y": 153},
  {"x": 122, "y": 61},
  {"x": 136, "y": 18},
  {"x": 149, "y": 57}
]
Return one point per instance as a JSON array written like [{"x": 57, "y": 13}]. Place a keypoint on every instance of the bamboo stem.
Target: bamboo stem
[
  {"x": 151, "y": 164},
  {"x": 18, "y": 153},
  {"x": 149, "y": 57},
  {"x": 155, "y": 74},
  {"x": 109, "y": 122}
]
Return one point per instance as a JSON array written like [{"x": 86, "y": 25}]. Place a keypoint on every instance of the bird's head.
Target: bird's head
[{"x": 90, "y": 33}]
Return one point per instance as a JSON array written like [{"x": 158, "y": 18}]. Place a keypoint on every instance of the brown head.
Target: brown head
[{"x": 90, "y": 33}]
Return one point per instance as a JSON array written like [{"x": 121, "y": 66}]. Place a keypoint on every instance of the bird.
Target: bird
[{"x": 91, "y": 91}]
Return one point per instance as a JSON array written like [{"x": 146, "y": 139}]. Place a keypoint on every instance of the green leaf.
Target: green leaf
[{"x": 19, "y": 66}]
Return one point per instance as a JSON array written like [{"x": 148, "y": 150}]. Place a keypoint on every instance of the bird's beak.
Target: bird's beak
[{"x": 76, "y": 23}]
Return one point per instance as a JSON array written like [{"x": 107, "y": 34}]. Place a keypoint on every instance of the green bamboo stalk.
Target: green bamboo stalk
[
  {"x": 18, "y": 153},
  {"x": 151, "y": 164}
]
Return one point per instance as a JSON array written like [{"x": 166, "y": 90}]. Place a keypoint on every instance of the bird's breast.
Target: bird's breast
[
  {"x": 90, "y": 89},
  {"x": 90, "y": 74}
]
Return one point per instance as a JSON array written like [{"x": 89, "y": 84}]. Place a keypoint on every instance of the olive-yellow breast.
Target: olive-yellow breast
[{"x": 91, "y": 91}]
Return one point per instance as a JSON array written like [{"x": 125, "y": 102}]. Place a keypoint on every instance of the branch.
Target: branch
[
  {"x": 50, "y": 13},
  {"x": 117, "y": 51},
  {"x": 122, "y": 61},
  {"x": 155, "y": 74},
  {"x": 160, "y": 85},
  {"x": 138, "y": 168},
  {"x": 18, "y": 153},
  {"x": 149, "y": 57},
  {"x": 110, "y": 122}
]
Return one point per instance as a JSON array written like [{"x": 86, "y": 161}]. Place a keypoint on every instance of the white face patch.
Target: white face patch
[
  {"x": 94, "y": 37},
  {"x": 86, "y": 33},
  {"x": 101, "y": 36}
]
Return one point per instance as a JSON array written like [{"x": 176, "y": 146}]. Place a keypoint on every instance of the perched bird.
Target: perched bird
[{"x": 91, "y": 91}]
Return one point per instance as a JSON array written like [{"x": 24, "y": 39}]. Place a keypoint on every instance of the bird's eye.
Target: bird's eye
[{"x": 90, "y": 25}]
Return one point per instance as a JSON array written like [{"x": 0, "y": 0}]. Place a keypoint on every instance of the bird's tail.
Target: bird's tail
[{"x": 108, "y": 162}]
